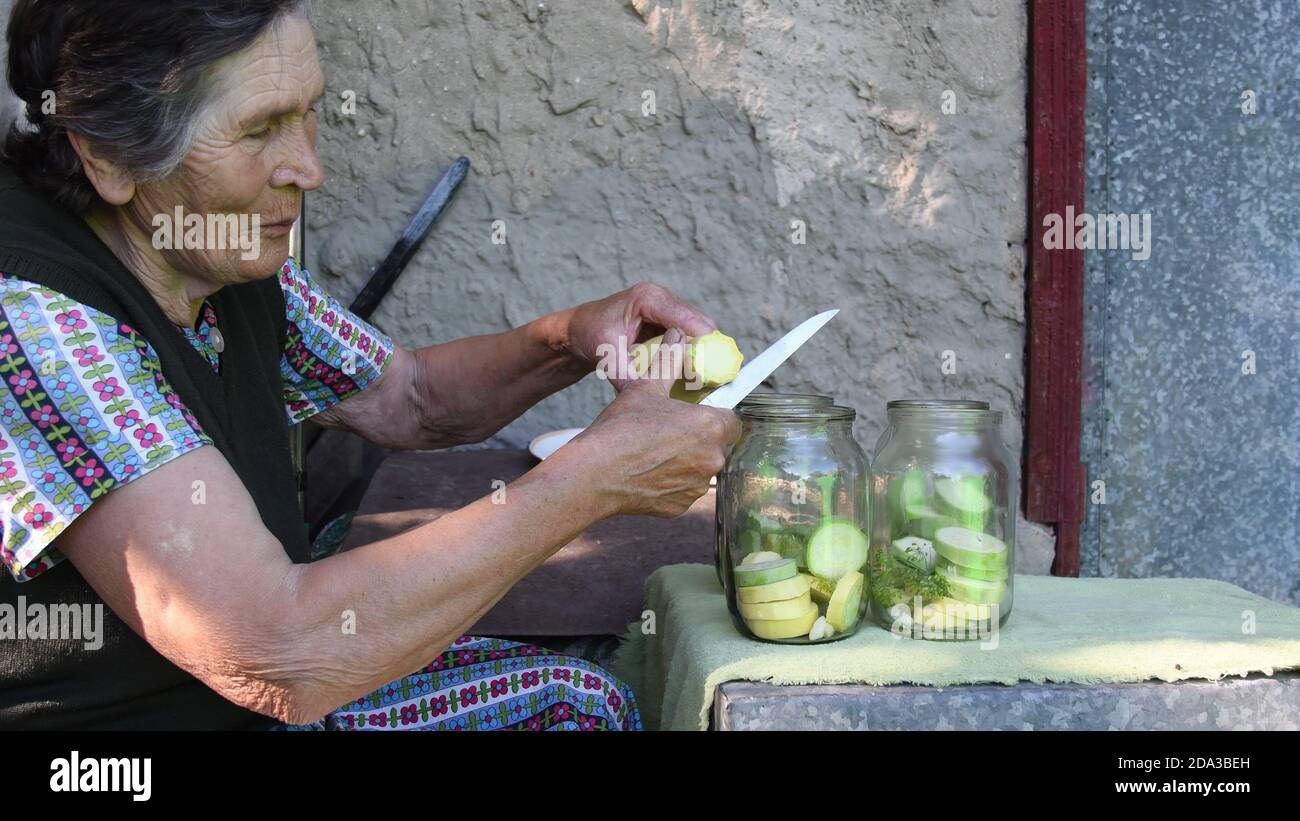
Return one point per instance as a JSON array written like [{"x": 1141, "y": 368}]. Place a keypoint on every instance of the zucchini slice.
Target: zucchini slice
[
  {"x": 838, "y": 546},
  {"x": 971, "y": 548}
]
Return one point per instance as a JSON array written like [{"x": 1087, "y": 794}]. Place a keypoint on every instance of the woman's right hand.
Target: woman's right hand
[{"x": 648, "y": 453}]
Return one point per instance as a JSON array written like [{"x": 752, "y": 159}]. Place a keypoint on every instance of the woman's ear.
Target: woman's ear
[{"x": 111, "y": 182}]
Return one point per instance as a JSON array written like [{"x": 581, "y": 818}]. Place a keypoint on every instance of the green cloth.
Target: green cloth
[{"x": 1084, "y": 631}]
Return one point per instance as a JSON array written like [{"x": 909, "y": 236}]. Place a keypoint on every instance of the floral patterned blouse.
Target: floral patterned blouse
[{"x": 84, "y": 408}]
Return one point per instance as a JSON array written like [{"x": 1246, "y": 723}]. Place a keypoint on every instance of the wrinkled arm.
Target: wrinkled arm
[
  {"x": 461, "y": 391},
  {"x": 212, "y": 590}
]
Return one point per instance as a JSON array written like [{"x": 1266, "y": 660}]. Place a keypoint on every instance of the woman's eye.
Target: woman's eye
[{"x": 260, "y": 133}]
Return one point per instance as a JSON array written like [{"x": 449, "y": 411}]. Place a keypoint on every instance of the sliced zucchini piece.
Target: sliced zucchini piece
[
  {"x": 838, "y": 546},
  {"x": 963, "y": 500},
  {"x": 975, "y": 591},
  {"x": 784, "y": 628},
  {"x": 965, "y": 610},
  {"x": 791, "y": 588},
  {"x": 943, "y": 614},
  {"x": 752, "y": 575},
  {"x": 711, "y": 360},
  {"x": 714, "y": 359},
  {"x": 775, "y": 610},
  {"x": 846, "y": 602},
  {"x": 971, "y": 548},
  {"x": 997, "y": 574}
]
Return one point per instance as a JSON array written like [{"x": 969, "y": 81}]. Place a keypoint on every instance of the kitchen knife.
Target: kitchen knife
[
  {"x": 762, "y": 366},
  {"x": 730, "y": 394}
]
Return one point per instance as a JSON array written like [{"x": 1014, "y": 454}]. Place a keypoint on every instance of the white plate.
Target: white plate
[{"x": 548, "y": 443}]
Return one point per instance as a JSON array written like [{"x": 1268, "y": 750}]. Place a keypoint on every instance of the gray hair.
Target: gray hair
[{"x": 131, "y": 77}]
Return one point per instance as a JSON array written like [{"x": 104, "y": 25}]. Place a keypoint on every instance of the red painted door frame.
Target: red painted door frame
[{"x": 1058, "y": 77}]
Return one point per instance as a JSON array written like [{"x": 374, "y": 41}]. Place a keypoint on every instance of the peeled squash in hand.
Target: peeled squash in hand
[{"x": 711, "y": 360}]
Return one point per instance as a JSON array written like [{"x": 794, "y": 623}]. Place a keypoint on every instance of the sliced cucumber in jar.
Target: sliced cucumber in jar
[
  {"x": 752, "y": 575},
  {"x": 842, "y": 612},
  {"x": 776, "y": 610},
  {"x": 962, "y": 617},
  {"x": 996, "y": 574},
  {"x": 964, "y": 500},
  {"x": 974, "y": 591},
  {"x": 791, "y": 588},
  {"x": 837, "y": 547},
  {"x": 971, "y": 548},
  {"x": 785, "y": 628}
]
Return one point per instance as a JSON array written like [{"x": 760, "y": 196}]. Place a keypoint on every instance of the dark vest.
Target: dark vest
[{"x": 47, "y": 683}]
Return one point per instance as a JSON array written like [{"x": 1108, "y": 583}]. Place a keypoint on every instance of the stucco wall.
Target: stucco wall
[
  {"x": 766, "y": 112},
  {"x": 894, "y": 130}
]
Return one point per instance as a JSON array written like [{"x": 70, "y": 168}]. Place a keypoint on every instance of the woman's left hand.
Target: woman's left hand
[{"x": 602, "y": 333}]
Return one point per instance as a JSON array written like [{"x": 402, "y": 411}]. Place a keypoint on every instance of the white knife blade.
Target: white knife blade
[{"x": 762, "y": 366}]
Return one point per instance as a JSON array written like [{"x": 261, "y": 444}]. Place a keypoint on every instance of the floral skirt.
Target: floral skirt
[{"x": 492, "y": 684}]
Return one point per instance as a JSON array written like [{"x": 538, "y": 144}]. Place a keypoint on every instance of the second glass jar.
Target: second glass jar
[
  {"x": 793, "y": 519},
  {"x": 943, "y": 535}
]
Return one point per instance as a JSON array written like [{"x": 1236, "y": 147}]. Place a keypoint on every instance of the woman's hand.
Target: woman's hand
[
  {"x": 602, "y": 333},
  {"x": 650, "y": 454}
]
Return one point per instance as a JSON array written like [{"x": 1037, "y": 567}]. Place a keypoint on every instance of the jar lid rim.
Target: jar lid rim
[
  {"x": 816, "y": 413},
  {"x": 830, "y": 400},
  {"x": 937, "y": 404}
]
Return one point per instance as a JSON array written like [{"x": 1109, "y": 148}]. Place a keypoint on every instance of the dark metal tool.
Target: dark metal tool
[{"x": 409, "y": 242}]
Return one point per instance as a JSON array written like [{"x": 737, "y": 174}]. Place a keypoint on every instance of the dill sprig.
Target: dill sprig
[{"x": 893, "y": 582}]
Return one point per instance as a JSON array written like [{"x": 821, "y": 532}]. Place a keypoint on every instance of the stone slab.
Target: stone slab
[{"x": 1252, "y": 703}]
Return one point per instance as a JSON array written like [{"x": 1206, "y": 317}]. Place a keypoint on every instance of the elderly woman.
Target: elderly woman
[{"x": 149, "y": 386}]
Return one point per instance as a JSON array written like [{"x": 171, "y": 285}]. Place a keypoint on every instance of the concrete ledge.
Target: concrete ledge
[{"x": 1253, "y": 703}]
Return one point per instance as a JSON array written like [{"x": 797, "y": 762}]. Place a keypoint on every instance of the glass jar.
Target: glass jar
[
  {"x": 793, "y": 514},
  {"x": 943, "y": 540},
  {"x": 757, "y": 399}
]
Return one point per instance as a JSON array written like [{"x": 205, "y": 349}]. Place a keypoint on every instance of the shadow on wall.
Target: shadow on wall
[
  {"x": 889, "y": 137},
  {"x": 766, "y": 162}
]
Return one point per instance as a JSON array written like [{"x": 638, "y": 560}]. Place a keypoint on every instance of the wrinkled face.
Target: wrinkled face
[{"x": 252, "y": 157}]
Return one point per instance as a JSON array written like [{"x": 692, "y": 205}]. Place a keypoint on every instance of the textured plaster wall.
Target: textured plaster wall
[
  {"x": 766, "y": 111},
  {"x": 1199, "y": 457}
]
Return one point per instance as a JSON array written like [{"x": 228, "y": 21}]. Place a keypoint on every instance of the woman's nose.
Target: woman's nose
[{"x": 301, "y": 166}]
